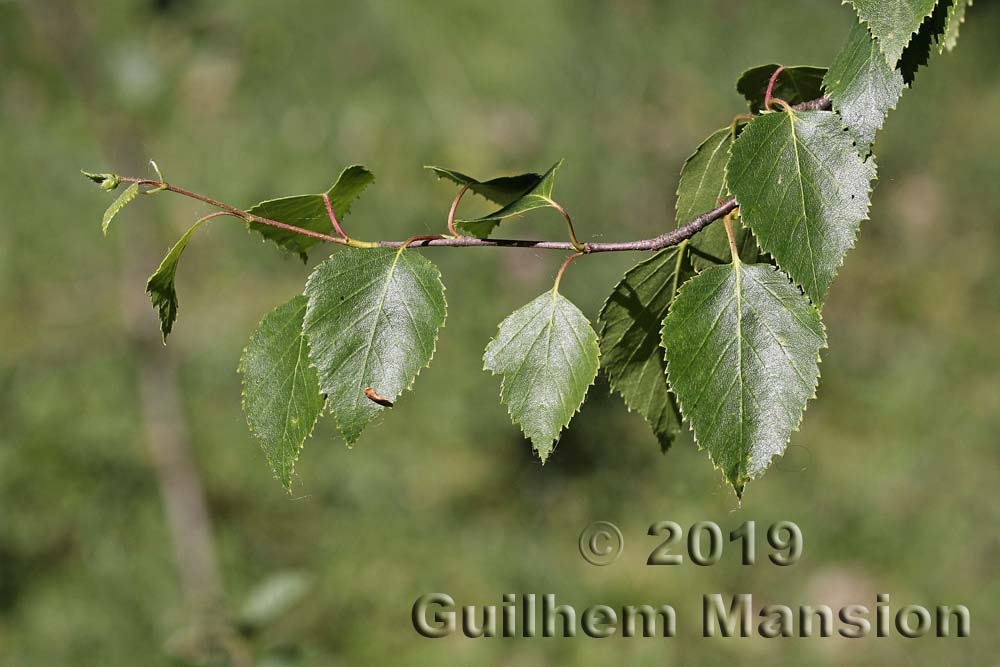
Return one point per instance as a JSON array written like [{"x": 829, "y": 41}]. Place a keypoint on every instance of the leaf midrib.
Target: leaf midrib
[{"x": 378, "y": 313}]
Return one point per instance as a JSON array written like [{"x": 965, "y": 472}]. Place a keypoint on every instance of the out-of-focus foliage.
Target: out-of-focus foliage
[{"x": 893, "y": 482}]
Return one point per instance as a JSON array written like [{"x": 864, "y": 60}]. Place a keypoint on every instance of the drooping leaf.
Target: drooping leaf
[
  {"x": 372, "y": 323},
  {"x": 502, "y": 190},
  {"x": 127, "y": 195},
  {"x": 956, "y": 17},
  {"x": 309, "y": 211},
  {"x": 796, "y": 84},
  {"x": 702, "y": 186},
  {"x": 932, "y": 32},
  {"x": 547, "y": 354},
  {"x": 281, "y": 396},
  {"x": 160, "y": 286},
  {"x": 863, "y": 87},
  {"x": 538, "y": 196},
  {"x": 893, "y": 22},
  {"x": 803, "y": 190},
  {"x": 742, "y": 347},
  {"x": 631, "y": 354}
]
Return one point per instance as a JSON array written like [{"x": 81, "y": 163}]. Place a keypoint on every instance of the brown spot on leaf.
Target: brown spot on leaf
[{"x": 375, "y": 398}]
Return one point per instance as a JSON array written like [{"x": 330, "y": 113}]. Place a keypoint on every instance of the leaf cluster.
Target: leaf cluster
[{"x": 722, "y": 332}]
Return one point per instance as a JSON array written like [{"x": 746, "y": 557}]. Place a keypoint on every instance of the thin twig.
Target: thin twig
[
  {"x": 673, "y": 237},
  {"x": 246, "y": 215},
  {"x": 665, "y": 240}
]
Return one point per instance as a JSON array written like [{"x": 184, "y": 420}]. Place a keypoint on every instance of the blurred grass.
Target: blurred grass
[{"x": 892, "y": 478}]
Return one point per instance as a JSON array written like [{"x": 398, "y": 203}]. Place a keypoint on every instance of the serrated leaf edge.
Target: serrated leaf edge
[
  {"x": 879, "y": 42},
  {"x": 442, "y": 174},
  {"x": 124, "y": 199},
  {"x": 336, "y": 420},
  {"x": 303, "y": 254},
  {"x": 857, "y": 232},
  {"x": 503, "y": 383},
  {"x": 602, "y": 326},
  {"x": 243, "y": 406},
  {"x": 680, "y": 404},
  {"x": 496, "y": 221},
  {"x": 833, "y": 100},
  {"x": 949, "y": 45},
  {"x": 687, "y": 160}
]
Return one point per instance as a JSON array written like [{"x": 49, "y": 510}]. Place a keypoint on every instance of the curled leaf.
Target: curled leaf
[
  {"x": 502, "y": 190},
  {"x": 538, "y": 196},
  {"x": 127, "y": 195}
]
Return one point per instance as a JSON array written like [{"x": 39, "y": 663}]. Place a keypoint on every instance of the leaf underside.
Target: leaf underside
[
  {"x": 372, "y": 323},
  {"x": 538, "y": 196},
  {"x": 893, "y": 22},
  {"x": 803, "y": 190},
  {"x": 309, "y": 211},
  {"x": 956, "y": 17},
  {"x": 702, "y": 187},
  {"x": 742, "y": 345},
  {"x": 502, "y": 190},
  {"x": 547, "y": 354},
  {"x": 796, "y": 84},
  {"x": 631, "y": 354},
  {"x": 281, "y": 396}
]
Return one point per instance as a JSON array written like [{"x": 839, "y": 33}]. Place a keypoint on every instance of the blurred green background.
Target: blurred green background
[{"x": 108, "y": 440}]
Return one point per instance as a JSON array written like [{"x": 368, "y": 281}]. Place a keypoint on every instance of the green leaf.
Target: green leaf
[
  {"x": 372, "y": 323},
  {"x": 502, "y": 190},
  {"x": 797, "y": 84},
  {"x": 803, "y": 190},
  {"x": 954, "y": 21},
  {"x": 106, "y": 180},
  {"x": 931, "y": 32},
  {"x": 127, "y": 195},
  {"x": 539, "y": 196},
  {"x": 702, "y": 185},
  {"x": 631, "y": 354},
  {"x": 893, "y": 22},
  {"x": 281, "y": 396},
  {"x": 863, "y": 87},
  {"x": 548, "y": 354},
  {"x": 309, "y": 211},
  {"x": 160, "y": 286},
  {"x": 742, "y": 347}
]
